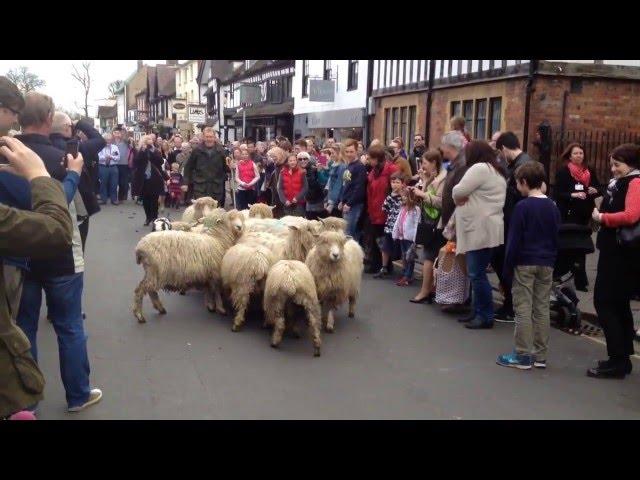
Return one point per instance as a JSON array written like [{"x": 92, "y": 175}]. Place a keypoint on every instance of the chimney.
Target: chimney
[
  {"x": 171, "y": 62},
  {"x": 139, "y": 64}
]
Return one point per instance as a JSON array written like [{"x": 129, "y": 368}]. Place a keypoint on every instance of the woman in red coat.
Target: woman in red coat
[{"x": 378, "y": 185}]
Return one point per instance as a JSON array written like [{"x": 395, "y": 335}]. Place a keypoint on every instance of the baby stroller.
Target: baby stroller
[{"x": 574, "y": 241}]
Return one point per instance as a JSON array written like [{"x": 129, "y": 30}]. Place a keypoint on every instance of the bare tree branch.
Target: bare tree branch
[{"x": 84, "y": 79}]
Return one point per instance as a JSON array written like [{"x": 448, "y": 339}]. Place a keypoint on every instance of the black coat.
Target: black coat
[
  {"x": 153, "y": 186},
  {"x": 87, "y": 181},
  {"x": 575, "y": 210},
  {"x": 50, "y": 155}
]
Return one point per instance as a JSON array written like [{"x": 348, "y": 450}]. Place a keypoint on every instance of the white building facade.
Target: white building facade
[{"x": 346, "y": 115}]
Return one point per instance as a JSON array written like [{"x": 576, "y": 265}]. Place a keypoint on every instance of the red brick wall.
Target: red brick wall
[{"x": 603, "y": 104}]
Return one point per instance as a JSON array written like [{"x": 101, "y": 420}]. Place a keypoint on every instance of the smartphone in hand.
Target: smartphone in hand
[{"x": 71, "y": 148}]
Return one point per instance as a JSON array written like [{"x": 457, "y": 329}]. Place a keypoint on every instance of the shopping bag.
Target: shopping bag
[{"x": 452, "y": 281}]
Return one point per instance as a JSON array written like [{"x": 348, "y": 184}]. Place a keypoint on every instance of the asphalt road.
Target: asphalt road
[{"x": 395, "y": 360}]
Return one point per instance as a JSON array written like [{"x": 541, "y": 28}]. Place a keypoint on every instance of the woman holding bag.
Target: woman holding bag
[
  {"x": 429, "y": 190},
  {"x": 479, "y": 223},
  {"x": 618, "y": 263}
]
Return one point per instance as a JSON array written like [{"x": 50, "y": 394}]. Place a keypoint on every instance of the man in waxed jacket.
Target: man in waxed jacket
[
  {"x": 206, "y": 169},
  {"x": 42, "y": 233}
]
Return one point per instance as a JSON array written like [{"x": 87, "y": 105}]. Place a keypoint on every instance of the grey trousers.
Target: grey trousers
[{"x": 531, "y": 290}]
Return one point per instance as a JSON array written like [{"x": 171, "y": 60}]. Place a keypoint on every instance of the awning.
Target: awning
[{"x": 267, "y": 110}]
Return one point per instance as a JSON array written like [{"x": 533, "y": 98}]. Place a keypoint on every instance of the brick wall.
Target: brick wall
[{"x": 601, "y": 104}]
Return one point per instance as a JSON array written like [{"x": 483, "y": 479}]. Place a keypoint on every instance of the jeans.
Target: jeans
[
  {"x": 408, "y": 258},
  {"x": 531, "y": 290},
  {"x": 352, "y": 217},
  {"x": 477, "y": 262},
  {"x": 109, "y": 183},
  {"x": 123, "y": 181},
  {"x": 64, "y": 300}
]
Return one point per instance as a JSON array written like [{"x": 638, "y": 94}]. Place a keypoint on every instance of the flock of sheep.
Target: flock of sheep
[{"x": 294, "y": 267}]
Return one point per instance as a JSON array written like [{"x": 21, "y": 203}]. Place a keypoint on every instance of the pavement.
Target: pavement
[{"x": 395, "y": 360}]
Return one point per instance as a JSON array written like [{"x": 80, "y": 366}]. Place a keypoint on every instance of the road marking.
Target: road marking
[{"x": 602, "y": 342}]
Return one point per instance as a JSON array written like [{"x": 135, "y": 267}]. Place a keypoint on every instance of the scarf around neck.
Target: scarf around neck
[{"x": 580, "y": 173}]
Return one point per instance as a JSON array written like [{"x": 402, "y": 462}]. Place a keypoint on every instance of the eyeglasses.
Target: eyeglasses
[{"x": 15, "y": 112}]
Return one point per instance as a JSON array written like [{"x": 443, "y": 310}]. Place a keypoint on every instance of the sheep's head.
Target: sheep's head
[
  {"x": 261, "y": 210},
  {"x": 236, "y": 221},
  {"x": 205, "y": 205},
  {"x": 303, "y": 236},
  {"x": 330, "y": 245},
  {"x": 333, "y": 224}
]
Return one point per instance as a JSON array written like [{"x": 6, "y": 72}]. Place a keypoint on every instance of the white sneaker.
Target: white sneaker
[{"x": 94, "y": 397}]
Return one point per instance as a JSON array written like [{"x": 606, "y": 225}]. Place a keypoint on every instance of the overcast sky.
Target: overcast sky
[{"x": 66, "y": 91}]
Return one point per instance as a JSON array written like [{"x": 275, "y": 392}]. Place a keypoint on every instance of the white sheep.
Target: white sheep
[
  {"x": 176, "y": 261},
  {"x": 337, "y": 271},
  {"x": 201, "y": 207},
  {"x": 245, "y": 266},
  {"x": 290, "y": 284},
  {"x": 261, "y": 210}
]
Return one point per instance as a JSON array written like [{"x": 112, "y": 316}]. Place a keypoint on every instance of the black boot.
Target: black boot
[
  {"x": 467, "y": 318},
  {"x": 610, "y": 369}
]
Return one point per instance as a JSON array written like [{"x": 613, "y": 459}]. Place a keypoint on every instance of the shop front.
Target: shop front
[
  {"x": 337, "y": 124},
  {"x": 264, "y": 122}
]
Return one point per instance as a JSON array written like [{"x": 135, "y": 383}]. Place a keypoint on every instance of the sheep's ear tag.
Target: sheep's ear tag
[
  {"x": 321, "y": 221},
  {"x": 272, "y": 207},
  {"x": 250, "y": 205},
  {"x": 193, "y": 200},
  {"x": 349, "y": 237}
]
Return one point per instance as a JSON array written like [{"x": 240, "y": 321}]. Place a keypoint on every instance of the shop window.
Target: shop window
[
  {"x": 404, "y": 114},
  {"x": 467, "y": 112},
  {"x": 305, "y": 78},
  {"x": 495, "y": 114},
  {"x": 353, "y": 75},
  {"x": 480, "y": 128},
  {"x": 412, "y": 127},
  {"x": 394, "y": 129}
]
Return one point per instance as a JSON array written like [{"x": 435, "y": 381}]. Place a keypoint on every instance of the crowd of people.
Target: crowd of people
[{"x": 484, "y": 200}]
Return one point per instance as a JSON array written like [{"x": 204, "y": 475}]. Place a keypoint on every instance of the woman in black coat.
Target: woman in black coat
[
  {"x": 148, "y": 179},
  {"x": 575, "y": 191}
]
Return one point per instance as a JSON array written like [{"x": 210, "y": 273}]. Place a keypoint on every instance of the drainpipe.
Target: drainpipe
[
  {"x": 564, "y": 111},
  {"x": 427, "y": 125},
  {"x": 367, "y": 127},
  {"x": 533, "y": 67}
]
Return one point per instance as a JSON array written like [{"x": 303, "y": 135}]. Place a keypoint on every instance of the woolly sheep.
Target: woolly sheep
[
  {"x": 245, "y": 266},
  {"x": 289, "y": 284},
  {"x": 201, "y": 207},
  {"x": 333, "y": 223},
  {"x": 197, "y": 264},
  {"x": 261, "y": 210},
  {"x": 337, "y": 272}
]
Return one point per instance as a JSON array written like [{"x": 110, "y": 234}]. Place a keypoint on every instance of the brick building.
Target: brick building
[{"x": 597, "y": 103}]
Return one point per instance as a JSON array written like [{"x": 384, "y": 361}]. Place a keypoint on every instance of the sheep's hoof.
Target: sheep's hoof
[
  {"x": 141, "y": 319},
  {"x": 162, "y": 311},
  {"x": 352, "y": 314},
  {"x": 221, "y": 311},
  {"x": 235, "y": 328},
  {"x": 183, "y": 292},
  {"x": 211, "y": 309},
  {"x": 316, "y": 352},
  {"x": 329, "y": 329},
  {"x": 274, "y": 345}
]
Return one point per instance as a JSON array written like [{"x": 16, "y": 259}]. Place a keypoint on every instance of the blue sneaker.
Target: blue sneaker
[{"x": 515, "y": 360}]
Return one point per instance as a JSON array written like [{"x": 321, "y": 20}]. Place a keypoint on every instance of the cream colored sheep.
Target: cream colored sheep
[
  {"x": 333, "y": 223},
  {"x": 337, "y": 272},
  {"x": 260, "y": 210},
  {"x": 182, "y": 226},
  {"x": 245, "y": 266},
  {"x": 177, "y": 261},
  {"x": 201, "y": 207},
  {"x": 290, "y": 284}
]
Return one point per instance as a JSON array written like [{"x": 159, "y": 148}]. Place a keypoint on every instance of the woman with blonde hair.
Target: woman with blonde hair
[
  {"x": 276, "y": 158},
  {"x": 336, "y": 167}
]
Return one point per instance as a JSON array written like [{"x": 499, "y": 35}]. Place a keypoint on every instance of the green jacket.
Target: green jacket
[
  {"x": 206, "y": 169},
  {"x": 45, "y": 232}
]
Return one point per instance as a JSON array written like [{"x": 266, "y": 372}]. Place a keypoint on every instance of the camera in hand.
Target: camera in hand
[{"x": 71, "y": 148}]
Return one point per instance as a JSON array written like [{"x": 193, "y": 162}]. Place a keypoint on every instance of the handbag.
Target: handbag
[
  {"x": 426, "y": 229},
  {"x": 452, "y": 281},
  {"x": 629, "y": 236}
]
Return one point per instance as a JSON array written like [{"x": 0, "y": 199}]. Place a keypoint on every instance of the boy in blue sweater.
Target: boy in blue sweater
[{"x": 532, "y": 247}]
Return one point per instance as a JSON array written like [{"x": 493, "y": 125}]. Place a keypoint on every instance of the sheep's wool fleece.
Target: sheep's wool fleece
[{"x": 175, "y": 259}]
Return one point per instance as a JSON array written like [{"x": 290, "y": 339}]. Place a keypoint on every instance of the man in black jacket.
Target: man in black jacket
[
  {"x": 415, "y": 159},
  {"x": 62, "y": 131},
  {"x": 354, "y": 193},
  {"x": 206, "y": 169}
]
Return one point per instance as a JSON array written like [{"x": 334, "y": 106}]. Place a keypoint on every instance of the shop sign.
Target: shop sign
[
  {"x": 322, "y": 90},
  {"x": 197, "y": 113},
  {"x": 347, "y": 118}
]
